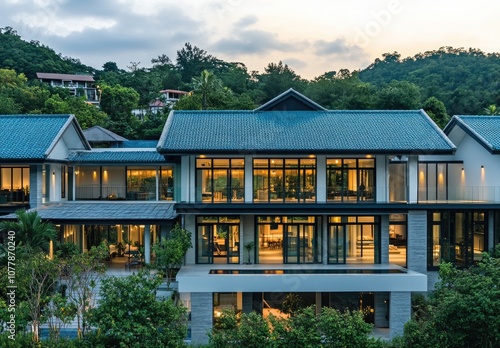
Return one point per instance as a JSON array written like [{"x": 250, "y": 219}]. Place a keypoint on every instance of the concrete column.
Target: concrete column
[
  {"x": 399, "y": 312},
  {"x": 248, "y": 179},
  {"x": 381, "y": 309},
  {"x": 321, "y": 178},
  {"x": 201, "y": 316},
  {"x": 147, "y": 244},
  {"x": 36, "y": 183},
  {"x": 382, "y": 177},
  {"x": 384, "y": 239},
  {"x": 324, "y": 234},
  {"x": 413, "y": 179},
  {"x": 247, "y": 302},
  {"x": 417, "y": 241},
  {"x": 318, "y": 303}
]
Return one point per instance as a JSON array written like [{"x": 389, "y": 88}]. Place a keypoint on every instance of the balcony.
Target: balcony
[
  {"x": 19, "y": 196},
  {"x": 96, "y": 192},
  {"x": 461, "y": 194}
]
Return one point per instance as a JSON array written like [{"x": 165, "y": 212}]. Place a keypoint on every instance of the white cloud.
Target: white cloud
[{"x": 63, "y": 26}]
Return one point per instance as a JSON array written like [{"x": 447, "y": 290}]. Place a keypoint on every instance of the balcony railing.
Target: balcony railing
[
  {"x": 462, "y": 194},
  {"x": 14, "y": 197},
  {"x": 113, "y": 193}
]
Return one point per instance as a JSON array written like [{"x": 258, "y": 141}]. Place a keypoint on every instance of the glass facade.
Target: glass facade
[
  {"x": 15, "y": 185},
  {"x": 124, "y": 183},
  {"x": 439, "y": 181},
  {"x": 350, "y": 179},
  {"x": 398, "y": 239},
  {"x": 398, "y": 182},
  {"x": 288, "y": 239},
  {"x": 220, "y": 180},
  {"x": 353, "y": 239},
  {"x": 456, "y": 237},
  {"x": 218, "y": 239},
  {"x": 290, "y": 180}
]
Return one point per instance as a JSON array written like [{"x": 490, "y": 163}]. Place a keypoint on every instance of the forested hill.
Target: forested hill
[
  {"x": 32, "y": 57},
  {"x": 465, "y": 80},
  {"x": 444, "y": 82}
]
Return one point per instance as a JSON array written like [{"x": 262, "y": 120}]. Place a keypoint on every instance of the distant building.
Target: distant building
[
  {"x": 167, "y": 100},
  {"x": 85, "y": 83}
]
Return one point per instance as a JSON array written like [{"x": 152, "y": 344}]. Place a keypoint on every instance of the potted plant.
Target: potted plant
[{"x": 249, "y": 247}]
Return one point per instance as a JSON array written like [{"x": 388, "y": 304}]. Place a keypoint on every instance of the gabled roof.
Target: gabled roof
[
  {"x": 65, "y": 77},
  {"x": 291, "y": 100},
  {"x": 99, "y": 134},
  {"x": 306, "y": 132},
  {"x": 118, "y": 156},
  {"x": 484, "y": 129},
  {"x": 33, "y": 137}
]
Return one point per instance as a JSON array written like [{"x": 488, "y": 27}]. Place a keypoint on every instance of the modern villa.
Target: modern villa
[{"x": 348, "y": 209}]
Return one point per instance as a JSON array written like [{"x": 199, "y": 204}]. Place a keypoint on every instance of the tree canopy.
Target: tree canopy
[{"x": 444, "y": 82}]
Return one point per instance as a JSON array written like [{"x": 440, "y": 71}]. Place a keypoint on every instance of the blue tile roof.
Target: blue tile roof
[
  {"x": 30, "y": 136},
  {"x": 139, "y": 144},
  {"x": 302, "y": 132},
  {"x": 485, "y": 129},
  {"x": 117, "y": 156},
  {"x": 107, "y": 211}
]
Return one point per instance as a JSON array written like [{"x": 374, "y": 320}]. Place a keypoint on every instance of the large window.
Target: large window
[
  {"x": 289, "y": 180},
  {"x": 288, "y": 239},
  {"x": 350, "y": 179},
  {"x": 398, "y": 182},
  {"x": 398, "y": 240},
  {"x": 218, "y": 239},
  {"x": 141, "y": 183},
  {"x": 353, "y": 239},
  {"x": 220, "y": 180},
  {"x": 15, "y": 184},
  {"x": 456, "y": 237},
  {"x": 440, "y": 181}
]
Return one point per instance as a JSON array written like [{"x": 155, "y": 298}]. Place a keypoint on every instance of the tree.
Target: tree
[
  {"x": 437, "y": 111},
  {"x": 247, "y": 330},
  {"x": 306, "y": 328},
  {"x": 43, "y": 275},
  {"x": 278, "y": 78},
  {"x": 129, "y": 315},
  {"x": 191, "y": 61},
  {"x": 463, "y": 310},
  {"x": 491, "y": 110},
  {"x": 82, "y": 272},
  {"x": 170, "y": 251},
  {"x": 118, "y": 102},
  {"x": 399, "y": 95},
  {"x": 32, "y": 235},
  {"x": 207, "y": 83}
]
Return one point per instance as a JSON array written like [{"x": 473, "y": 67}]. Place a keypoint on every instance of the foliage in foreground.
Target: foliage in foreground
[
  {"x": 129, "y": 315},
  {"x": 463, "y": 311},
  {"x": 305, "y": 328}
]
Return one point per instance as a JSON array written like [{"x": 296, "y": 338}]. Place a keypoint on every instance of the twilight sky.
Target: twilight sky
[{"x": 312, "y": 36}]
